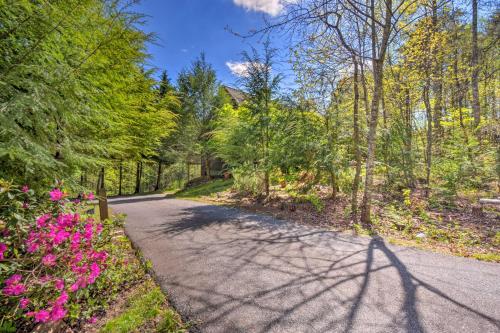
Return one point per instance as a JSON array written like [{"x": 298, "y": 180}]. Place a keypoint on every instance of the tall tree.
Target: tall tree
[
  {"x": 476, "y": 109},
  {"x": 71, "y": 89},
  {"x": 261, "y": 86},
  {"x": 164, "y": 86},
  {"x": 199, "y": 93}
]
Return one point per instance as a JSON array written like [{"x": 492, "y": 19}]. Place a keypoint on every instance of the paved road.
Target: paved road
[{"x": 231, "y": 271}]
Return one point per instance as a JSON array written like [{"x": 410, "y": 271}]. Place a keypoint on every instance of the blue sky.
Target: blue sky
[{"x": 184, "y": 28}]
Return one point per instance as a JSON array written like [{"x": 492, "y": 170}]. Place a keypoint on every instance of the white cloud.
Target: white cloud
[
  {"x": 241, "y": 68},
  {"x": 238, "y": 68},
  {"x": 271, "y": 7}
]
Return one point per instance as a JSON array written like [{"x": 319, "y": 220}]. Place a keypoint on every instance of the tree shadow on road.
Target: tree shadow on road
[{"x": 251, "y": 273}]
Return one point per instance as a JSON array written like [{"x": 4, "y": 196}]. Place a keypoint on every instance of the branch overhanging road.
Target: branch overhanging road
[{"x": 227, "y": 270}]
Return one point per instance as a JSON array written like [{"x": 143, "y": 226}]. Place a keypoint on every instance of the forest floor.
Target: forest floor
[{"x": 404, "y": 221}]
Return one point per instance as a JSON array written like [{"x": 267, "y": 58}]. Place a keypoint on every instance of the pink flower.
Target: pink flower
[
  {"x": 32, "y": 242},
  {"x": 57, "y": 313},
  {"x": 56, "y": 194},
  {"x": 67, "y": 220},
  {"x": 62, "y": 299},
  {"x": 101, "y": 256},
  {"x": 80, "y": 270},
  {"x": 25, "y": 188},
  {"x": 26, "y": 205},
  {"x": 13, "y": 287},
  {"x": 92, "y": 320},
  {"x": 75, "y": 241},
  {"x": 78, "y": 257},
  {"x": 79, "y": 284},
  {"x": 61, "y": 236},
  {"x": 74, "y": 287},
  {"x": 41, "y": 316},
  {"x": 3, "y": 248},
  {"x": 94, "y": 272},
  {"x": 42, "y": 220},
  {"x": 23, "y": 303},
  {"x": 14, "y": 290},
  {"x": 59, "y": 284},
  {"x": 33, "y": 247},
  {"x": 49, "y": 260},
  {"x": 14, "y": 279},
  {"x": 88, "y": 231}
]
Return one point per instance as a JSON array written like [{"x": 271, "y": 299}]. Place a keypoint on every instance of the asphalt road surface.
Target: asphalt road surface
[{"x": 226, "y": 270}]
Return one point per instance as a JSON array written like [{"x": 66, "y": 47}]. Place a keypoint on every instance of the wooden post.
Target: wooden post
[{"x": 103, "y": 200}]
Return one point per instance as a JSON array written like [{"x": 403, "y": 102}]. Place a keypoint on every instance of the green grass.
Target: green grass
[
  {"x": 206, "y": 189},
  {"x": 169, "y": 323},
  {"x": 146, "y": 304},
  {"x": 493, "y": 257}
]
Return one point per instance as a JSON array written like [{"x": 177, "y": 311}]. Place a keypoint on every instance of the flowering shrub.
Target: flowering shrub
[{"x": 53, "y": 256}]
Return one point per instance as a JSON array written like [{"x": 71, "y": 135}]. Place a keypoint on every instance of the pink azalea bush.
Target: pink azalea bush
[
  {"x": 64, "y": 242},
  {"x": 60, "y": 262}
]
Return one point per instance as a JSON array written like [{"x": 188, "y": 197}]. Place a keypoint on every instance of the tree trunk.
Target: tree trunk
[
  {"x": 357, "y": 151},
  {"x": 385, "y": 137},
  {"x": 121, "y": 179},
  {"x": 437, "y": 84},
  {"x": 203, "y": 166},
  {"x": 334, "y": 185},
  {"x": 266, "y": 183},
  {"x": 458, "y": 101},
  {"x": 409, "y": 138},
  {"x": 475, "y": 69},
  {"x": 158, "y": 177},
  {"x": 365, "y": 92},
  {"x": 438, "y": 101},
  {"x": 372, "y": 130},
  {"x": 378, "y": 81},
  {"x": 428, "y": 149},
  {"x": 138, "y": 175},
  {"x": 208, "y": 167}
]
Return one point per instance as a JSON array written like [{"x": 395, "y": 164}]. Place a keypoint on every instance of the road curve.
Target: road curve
[{"x": 231, "y": 271}]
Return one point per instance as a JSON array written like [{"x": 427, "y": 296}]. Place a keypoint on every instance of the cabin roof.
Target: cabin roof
[{"x": 236, "y": 95}]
